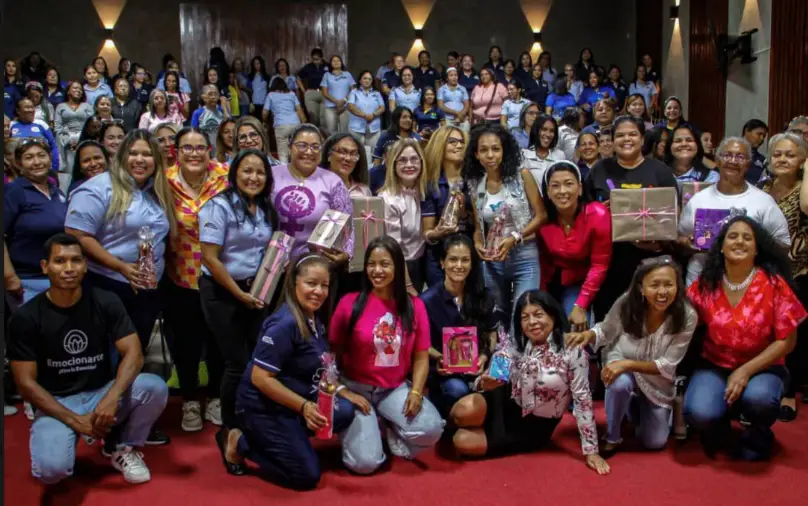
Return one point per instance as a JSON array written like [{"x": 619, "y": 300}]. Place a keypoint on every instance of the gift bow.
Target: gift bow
[
  {"x": 283, "y": 244},
  {"x": 366, "y": 216},
  {"x": 645, "y": 213}
]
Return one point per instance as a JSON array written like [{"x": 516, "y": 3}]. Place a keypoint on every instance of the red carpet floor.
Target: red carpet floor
[{"x": 189, "y": 472}]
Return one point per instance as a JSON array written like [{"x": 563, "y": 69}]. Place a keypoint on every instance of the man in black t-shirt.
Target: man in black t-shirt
[{"x": 60, "y": 346}]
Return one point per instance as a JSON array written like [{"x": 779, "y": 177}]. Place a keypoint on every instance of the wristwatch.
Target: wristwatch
[{"x": 517, "y": 237}]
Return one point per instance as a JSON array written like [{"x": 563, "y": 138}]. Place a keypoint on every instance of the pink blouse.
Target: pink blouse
[
  {"x": 402, "y": 218},
  {"x": 481, "y": 96}
]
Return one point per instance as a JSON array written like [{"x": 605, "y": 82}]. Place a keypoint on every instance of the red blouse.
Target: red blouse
[
  {"x": 768, "y": 311},
  {"x": 583, "y": 255}
]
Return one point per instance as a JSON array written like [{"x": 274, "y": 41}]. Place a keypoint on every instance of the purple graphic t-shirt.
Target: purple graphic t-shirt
[{"x": 301, "y": 205}]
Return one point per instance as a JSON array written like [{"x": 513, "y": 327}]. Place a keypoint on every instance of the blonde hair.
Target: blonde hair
[
  {"x": 256, "y": 125},
  {"x": 392, "y": 184},
  {"x": 436, "y": 150},
  {"x": 123, "y": 186}
]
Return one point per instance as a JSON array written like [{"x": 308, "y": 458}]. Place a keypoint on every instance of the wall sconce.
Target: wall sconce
[
  {"x": 109, "y": 43},
  {"x": 537, "y": 37},
  {"x": 419, "y": 35},
  {"x": 674, "y": 12}
]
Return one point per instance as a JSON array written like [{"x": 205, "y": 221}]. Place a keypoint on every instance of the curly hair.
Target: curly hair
[
  {"x": 770, "y": 257},
  {"x": 473, "y": 170},
  {"x": 634, "y": 307},
  {"x": 551, "y": 307}
]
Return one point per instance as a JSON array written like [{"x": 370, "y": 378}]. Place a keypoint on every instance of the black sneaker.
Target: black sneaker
[{"x": 157, "y": 438}]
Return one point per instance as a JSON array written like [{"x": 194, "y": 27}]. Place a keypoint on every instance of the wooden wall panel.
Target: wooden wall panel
[
  {"x": 788, "y": 70},
  {"x": 271, "y": 28},
  {"x": 649, "y": 27},
  {"x": 708, "y": 86}
]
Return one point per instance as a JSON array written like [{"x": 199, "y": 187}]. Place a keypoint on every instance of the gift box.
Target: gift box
[
  {"x": 269, "y": 273},
  {"x": 647, "y": 214},
  {"x": 497, "y": 231},
  {"x": 368, "y": 224},
  {"x": 689, "y": 189},
  {"x": 331, "y": 232},
  {"x": 707, "y": 225},
  {"x": 502, "y": 359},
  {"x": 145, "y": 258},
  {"x": 460, "y": 349},
  {"x": 451, "y": 212},
  {"x": 326, "y": 394}
]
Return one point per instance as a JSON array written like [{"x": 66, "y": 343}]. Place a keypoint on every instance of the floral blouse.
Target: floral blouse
[
  {"x": 768, "y": 311},
  {"x": 544, "y": 380}
]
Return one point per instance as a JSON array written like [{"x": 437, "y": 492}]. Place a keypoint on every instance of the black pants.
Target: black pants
[
  {"x": 188, "y": 336},
  {"x": 235, "y": 328},
  {"x": 142, "y": 307},
  {"x": 417, "y": 270},
  {"x": 797, "y": 360}
]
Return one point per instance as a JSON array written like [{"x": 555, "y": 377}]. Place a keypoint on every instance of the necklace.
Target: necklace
[
  {"x": 741, "y": 286},
  {"x": 300, "y": 178},
  {"x": 194, "y": 187}
]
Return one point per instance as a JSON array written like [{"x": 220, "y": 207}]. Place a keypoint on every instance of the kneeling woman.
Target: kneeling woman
[
  {"x": 381, "y": 336},
  {"x": 522, "y": 415},
  {"x": 276, "y": 400},
  {"x": 646, "y": 334}
]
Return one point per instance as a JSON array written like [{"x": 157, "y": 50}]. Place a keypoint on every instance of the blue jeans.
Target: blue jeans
[
  {"x": 568, "y": 297},
  {"x": 445, "y": 391},
  {"x": 708, "y": 412},
  {"x": 362, "y": 450},
  {"x": 652, "y": 422},
  {"x": 508, "y": 280},
  {"x": 53, "y": 444}
]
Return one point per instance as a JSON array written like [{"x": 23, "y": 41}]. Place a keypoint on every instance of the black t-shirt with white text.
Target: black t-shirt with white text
[{"x": 71, "y": 346}]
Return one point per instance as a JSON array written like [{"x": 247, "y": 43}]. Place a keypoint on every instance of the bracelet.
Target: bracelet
[
  {"x": 339, "y": 389},
  {"x": 517, "y": 237},
  {"x": 303, "y": 407},
  {"x": 416, "y": 392}
]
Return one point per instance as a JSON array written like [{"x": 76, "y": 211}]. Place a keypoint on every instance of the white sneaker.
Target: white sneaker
[
  {"x": 130, "y": 462},
  {"x": 191, "y": 416},
  {"x": 28, "y": 410},
  {"x": 396, "y": 445},
  {"x": 213, "y": 411},
  {"x": 9, "y": 410}
]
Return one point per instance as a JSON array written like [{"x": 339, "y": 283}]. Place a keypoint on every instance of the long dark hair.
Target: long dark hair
[
  {"x": 698, "y": 165},
  {"x": 770, "y": 257},
  {"x": 294, "y": 270},
  {"x": 405, "y": 312},
  {"x": 551, "y": 307},
  {"x": 77, "y": 174},
  {"x": 562, "y": 166},
  {"x": 651, "y": 139},
  {"x": 262, "y": 200},
  {"x": 633, "y": 310},
  {"x": 473, "y": 170},
  {"x": 535, "y": 132},
  {"x": 395, "y": 119},
  {"x": 85, "y": 131},
  {"x": 360, "y": 173},
  {"x": 262, "y": 69}
]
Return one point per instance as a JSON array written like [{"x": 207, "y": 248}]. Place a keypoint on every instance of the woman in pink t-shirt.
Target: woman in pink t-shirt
[
  {"x": 487, "y": 98},
  {"x": 381, "y": 335}
]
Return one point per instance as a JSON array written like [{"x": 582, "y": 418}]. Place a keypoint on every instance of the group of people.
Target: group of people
[{"x": 552, "y": 299}]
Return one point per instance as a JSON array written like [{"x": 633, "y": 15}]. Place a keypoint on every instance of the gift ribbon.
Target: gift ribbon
[
  {"x": 366, "y": 217},
  {"x": 332, "y": 222},
  {"x": 644, "y": 214},
  {"x": 282, "y": 245},
  {"x": 696, "y": 186}
]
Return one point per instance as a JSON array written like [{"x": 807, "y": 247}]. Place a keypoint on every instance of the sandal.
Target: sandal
[
  {"x": 787, "y": 414},
  {"x": 234, "y": 468}
]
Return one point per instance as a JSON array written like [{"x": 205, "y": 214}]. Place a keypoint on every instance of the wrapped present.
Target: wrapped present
[
  {"x": 331, "y": 232},
  {"x": 707, "y": 225},
  {"x": 368, "y": 224},
  {"x": 145, "y": 257},
  {"x": 691, "y": 188},
  {"x": 269, "y": 273},
  {"x": 451, "y": 212},
  {"x": 460, "y": 350},
  {"x": 326, "y": 394},
  {"x": 496, "y": 233},
  {"x": 647, "y": 214},
  {"x": 503, "y": 357}
]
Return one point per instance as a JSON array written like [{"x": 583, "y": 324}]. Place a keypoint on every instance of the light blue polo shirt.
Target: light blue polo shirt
[
  {"x": 403, "y": 98},
  {"x": 647, "y": 90},
  {"x": 243, "y": 239},
  {"x": 291, "y": 81},
  {"x": 367, "y": 103},
  {"x": 259, "y": 89},
  {"x": 511, "y": 110},
  {"x": 283, "y": 107},
  {"x": 338, "y": 86},
  {"x": 453, "y": 98},
  {"x": 86, "y": 212}
]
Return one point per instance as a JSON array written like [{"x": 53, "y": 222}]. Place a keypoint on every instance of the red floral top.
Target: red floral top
[{"x": 768, "y": 311}]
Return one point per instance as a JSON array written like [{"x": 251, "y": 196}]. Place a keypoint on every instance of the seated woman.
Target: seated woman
[
  {"x": 745, "y": 298},
  {"x": 459, "y": 301},
  {"x": 381, "y": 336},
  {"x": 276, "y": 401},
  {"x": 503, "y": 418},
  {"x": 646, "y": 334}
]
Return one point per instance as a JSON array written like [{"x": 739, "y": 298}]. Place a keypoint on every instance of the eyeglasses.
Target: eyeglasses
[
  {"x": 348, "y": 155},
  {"x": 118, "y": 122},
  {"x": 734, "y": 158},
  {"x": 252, "y": 136},
  {"x": 304, "y": 146},
  {"x": 190, "y": 150},
  {"x": 452, "y": 141},
  {"x": 26, "y": 141},
  {"x": 413, "y": 160}
]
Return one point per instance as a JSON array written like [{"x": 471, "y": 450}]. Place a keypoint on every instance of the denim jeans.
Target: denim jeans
[
  {"x": 568, "y": 296},
  {"x": 707, "y": 411},
  {"x": 53, "y": 444},
  {"x": 652, "y": 422},
  {"x": 445, "y": 391},
  {"x": 362, "y": 450},
  {"x": 508, "y": 280}
]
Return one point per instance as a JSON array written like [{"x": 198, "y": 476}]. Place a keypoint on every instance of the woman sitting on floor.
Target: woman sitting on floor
[
  {"x": 646, "y": 334},
  {"x": 522, "y": 415}
]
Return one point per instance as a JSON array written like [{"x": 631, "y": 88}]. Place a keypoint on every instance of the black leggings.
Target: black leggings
[
  {"x": 188, "y": 336},
  {"x": 235, "y": 328}
]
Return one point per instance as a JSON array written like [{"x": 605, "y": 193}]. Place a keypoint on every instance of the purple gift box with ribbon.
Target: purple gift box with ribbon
[
  {"x": 331, "y": 232},
  {"x": 646, "y": 214},
  {"x": 368, "y": 224},
  {"x": 707, "y": 225},
  {"x": 269, "y": 273}
]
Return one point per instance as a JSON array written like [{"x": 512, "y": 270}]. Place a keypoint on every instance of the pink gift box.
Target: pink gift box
[{"x": 460, "y": 349}]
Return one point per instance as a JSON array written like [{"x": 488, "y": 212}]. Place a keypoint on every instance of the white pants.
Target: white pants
[
  {"x": 335, "y": 123},
  {"x": 314, "y": 105},
  {"x": 282, "y": 134}
]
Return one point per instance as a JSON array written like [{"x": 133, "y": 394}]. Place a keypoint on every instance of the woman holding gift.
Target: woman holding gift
[
  {"x": 381, "y": 336},
  {"x": 194, "y": 180},
  {"x": 684, "y": 155},
  {"x": 787, "y": 158},
  {"x": 576, "y": 243},
  {"x": 507, "y": 199},
  {"x": 234, "y": 229},
  {"x": 277, "y": 397},
  {"x": 745, "y": 298},
  {"x": 505, "y": 418},
  {"x": 459, "y": 300},
  {"x": 444, "y": 165},
  {"x": 646, "y": 335}
]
